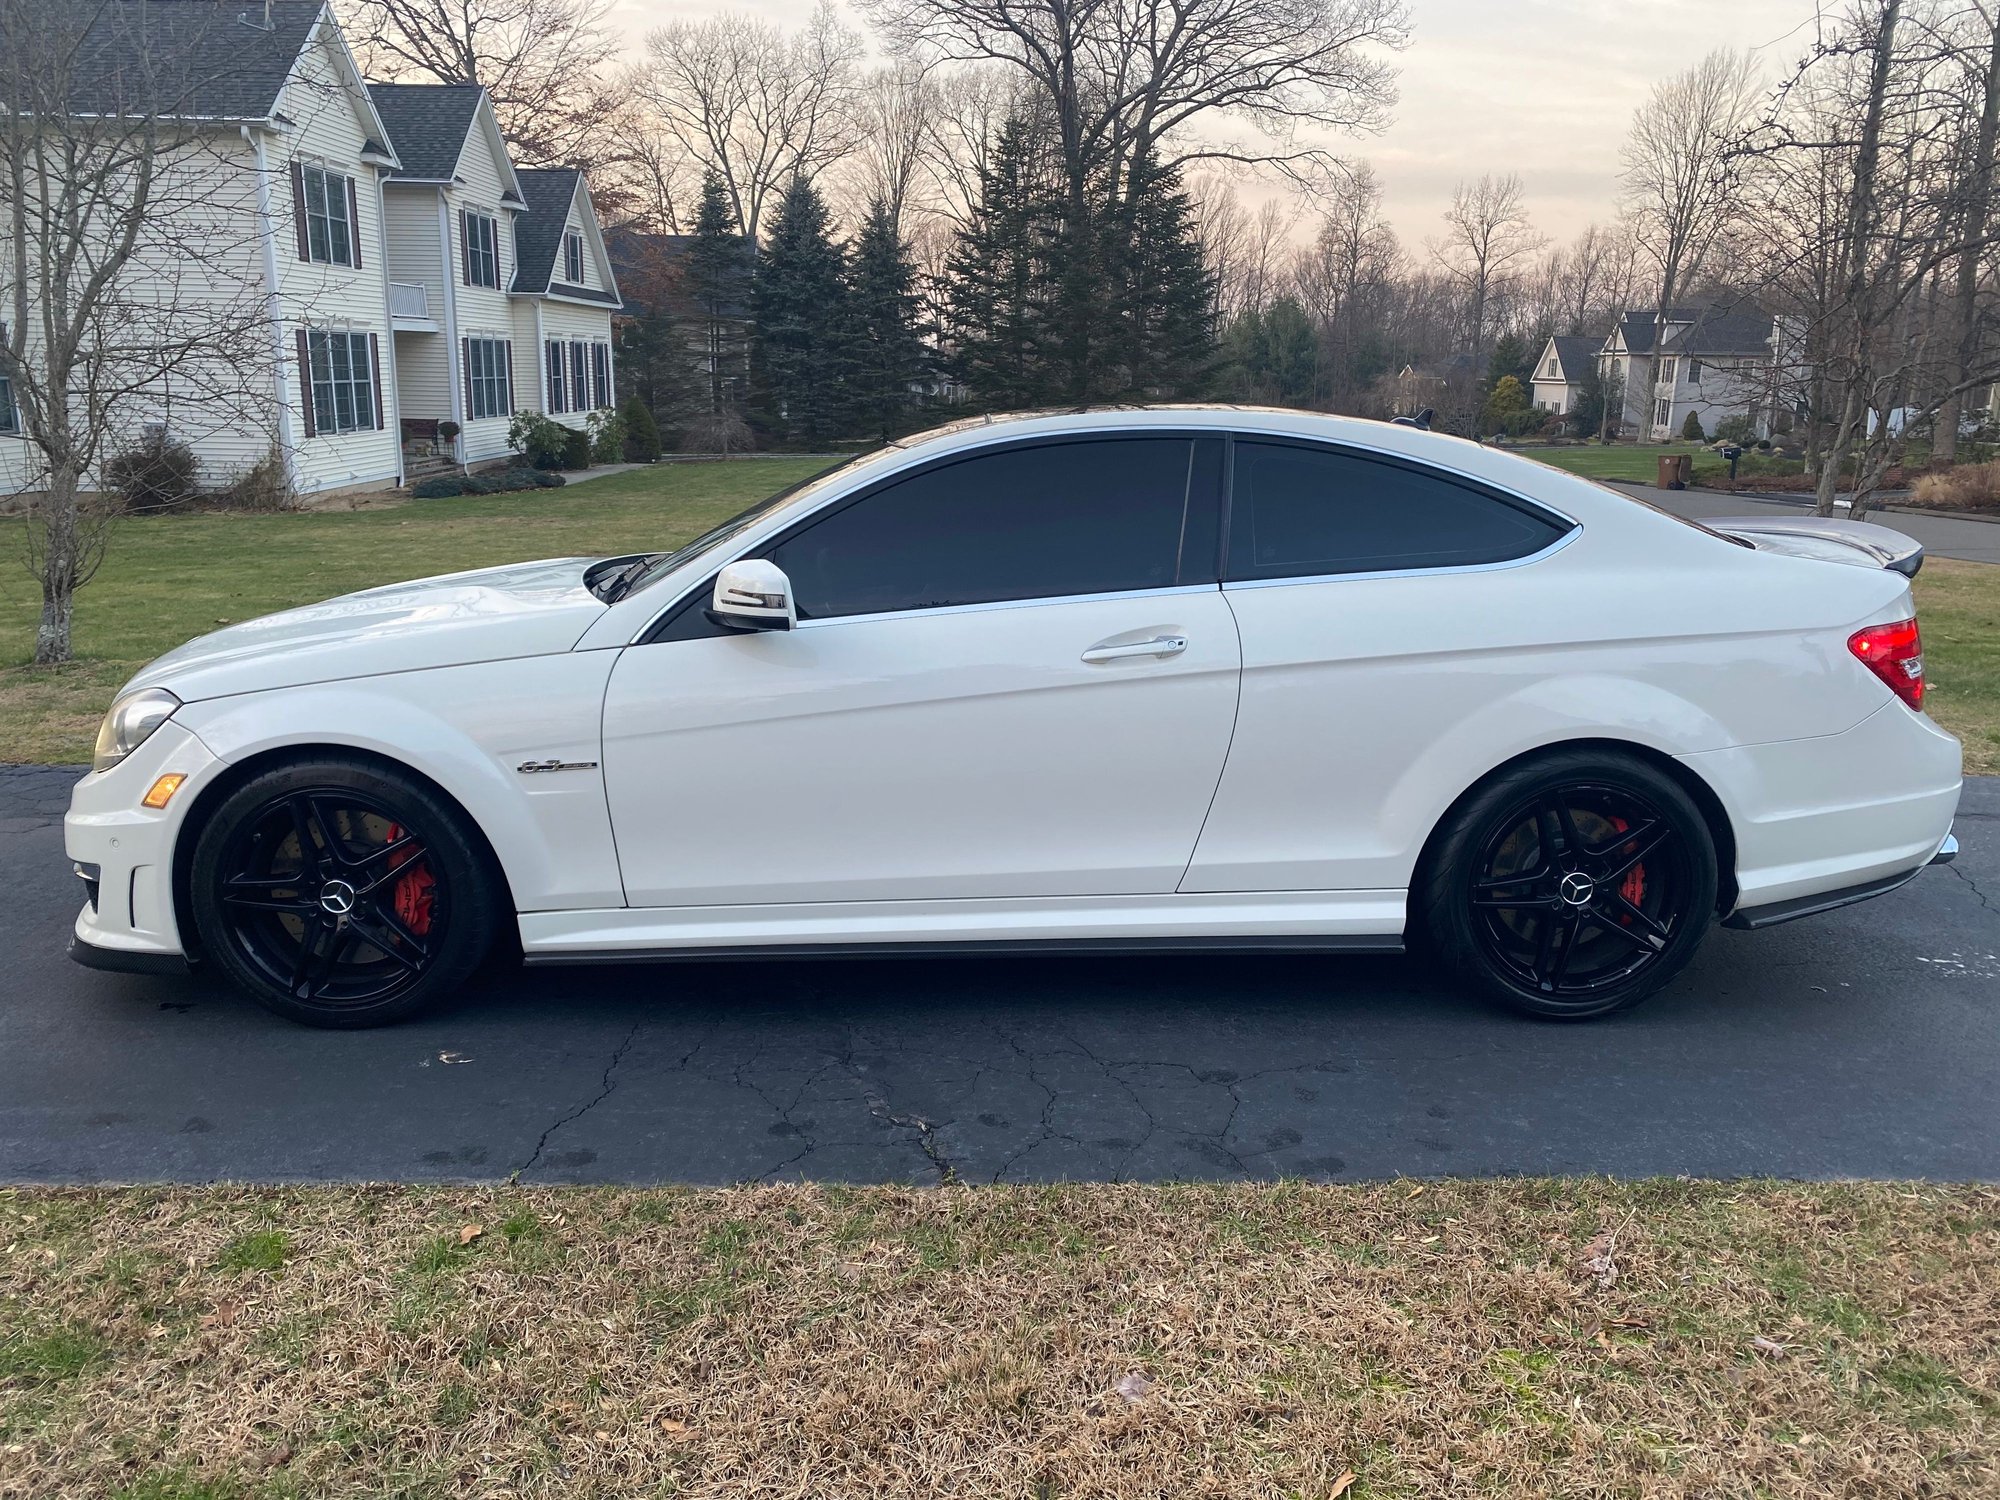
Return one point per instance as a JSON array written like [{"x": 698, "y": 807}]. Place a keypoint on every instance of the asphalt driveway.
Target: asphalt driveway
[{"x": 1864, "y": 1043}]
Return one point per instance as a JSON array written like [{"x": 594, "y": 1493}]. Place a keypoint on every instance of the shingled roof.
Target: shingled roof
[
  {"x": 538, "y": 233},
  {"x": 1719, "y": 329},
  {"x": 190, "y": 59},
  {"x": 1577, "y": 354},
  {"x": 427, "y": 124}
]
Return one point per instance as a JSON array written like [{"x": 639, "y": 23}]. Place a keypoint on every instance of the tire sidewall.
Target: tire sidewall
[
  {"x": 1446, "y": 919},
  {"x": 457, "y": 858}
]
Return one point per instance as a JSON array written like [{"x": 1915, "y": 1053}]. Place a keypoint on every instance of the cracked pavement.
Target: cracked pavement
[{"x": 1860, "y": 1043}]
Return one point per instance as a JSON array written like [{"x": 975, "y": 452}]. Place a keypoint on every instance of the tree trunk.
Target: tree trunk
[
  {"x": 1965, "y": 301},
  {"x": 61, "y": 561}
]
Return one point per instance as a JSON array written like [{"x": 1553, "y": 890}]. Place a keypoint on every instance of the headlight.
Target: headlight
[{"x": 131, "y": 720}]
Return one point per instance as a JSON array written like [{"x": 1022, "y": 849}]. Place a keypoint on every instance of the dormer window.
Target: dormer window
[{"x": 573, "y": 258}]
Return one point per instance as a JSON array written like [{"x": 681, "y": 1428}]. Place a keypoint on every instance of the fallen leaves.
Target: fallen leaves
[
  {"x": 1769, "y": 1347},
  {"x": 469, "y": 1232},
  {"x": 1599, "y": 1257},
  {"x": 1133, "y": 1387},
  {"x": 1341, "y": 1485}
]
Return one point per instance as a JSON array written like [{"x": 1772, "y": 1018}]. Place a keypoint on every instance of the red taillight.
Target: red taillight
[{"x": 1894, "y": 653}]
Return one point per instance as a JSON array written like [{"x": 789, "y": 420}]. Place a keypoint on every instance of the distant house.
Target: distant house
[
  {"x": 1559, "y": 373},
  {"x": 410, "y": 273},
  {"x": 1718, "y": 361}
]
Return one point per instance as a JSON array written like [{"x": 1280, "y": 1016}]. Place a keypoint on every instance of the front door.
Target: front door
[{"x": 1014, "y": 675}]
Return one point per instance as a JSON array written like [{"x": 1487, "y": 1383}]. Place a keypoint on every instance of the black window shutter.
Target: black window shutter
[
  {"x": 507, "y": 348},
  {"x": 464, "y": 247},
  {"x": 299, "y": 209},
  {"x": 354, "y": 226},
  {"x": 306, "y": 381},
  {"x": 375, "y": 374},
  {"x": 465, "y": 364}
]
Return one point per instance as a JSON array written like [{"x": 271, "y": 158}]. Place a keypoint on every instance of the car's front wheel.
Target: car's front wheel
[
  {"x": 341, "y": 893},
  {"x": 1571, "y": 886}
]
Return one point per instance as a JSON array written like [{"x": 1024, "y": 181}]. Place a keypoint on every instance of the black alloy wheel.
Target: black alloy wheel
[
  {"x": 1573, "y": 888},
  {"x": 341, "y": 895}
]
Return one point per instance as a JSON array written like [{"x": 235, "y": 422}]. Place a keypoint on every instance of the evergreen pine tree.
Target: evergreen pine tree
[
  {"x": 890, "y": 352},
  {"x": 1164, "y": 330},
  {"x": 718, "y": 284},
  {"x": 805, "y": 341},
  {"x": 997, "y": 279}
]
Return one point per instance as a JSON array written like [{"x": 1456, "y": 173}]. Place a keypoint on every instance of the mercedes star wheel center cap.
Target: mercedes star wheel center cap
[
  {"x": 1576, "y": 889},
  {"x": 336, "y": 898}
]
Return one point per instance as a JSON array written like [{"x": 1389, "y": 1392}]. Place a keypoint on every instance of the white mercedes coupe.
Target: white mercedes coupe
[{"x": 1198, "y": 678}]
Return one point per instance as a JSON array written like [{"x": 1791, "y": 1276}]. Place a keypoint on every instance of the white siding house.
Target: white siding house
[
  {"x": 1718, "y": 361},
  {"x": 406, "y": 272}
]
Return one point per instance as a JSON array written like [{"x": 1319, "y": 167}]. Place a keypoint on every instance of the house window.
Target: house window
[
  {"x": 330, "y": 236},
  {"x": 10, "y": 415},
  {"x": 600, "y": 375},
  {"x": 343, "y": 382},
  {"x": 573, "y": 258},
  {"x": 1669, "y": 369},
  {"x": 579, "y": 375},
  {"x": 1694, "y": 372},
  {"x": 558, "y": 392},
  {"x": 1550, "y": 369},
  {"x": 1663, "y": 412},
  {"x": 486, "y": 378},
  {"x": 482, "y": 250}
]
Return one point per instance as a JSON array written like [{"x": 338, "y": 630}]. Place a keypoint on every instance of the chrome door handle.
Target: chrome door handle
[{"x": 1159, "y": 645}]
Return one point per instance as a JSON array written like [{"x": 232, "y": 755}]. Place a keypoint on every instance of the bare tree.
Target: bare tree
[
  {"x": 1341, "y": 279},
  {"x": 1680, "y": 165},
  {"x": 1128, "y": 81},
  {"x": 129, "y": 273},
  {"x": 1487, "y": 236},
  {"x": 756, "y": 104},
  {"x": 1977, "y": 226},
  {"x": 897, "y": 114},
  {"x": 542, "y": 61}
]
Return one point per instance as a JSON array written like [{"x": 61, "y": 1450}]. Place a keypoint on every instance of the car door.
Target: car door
[
  {"x": 1387, "y": 609},
  {"x": 1013, "y": 675}
]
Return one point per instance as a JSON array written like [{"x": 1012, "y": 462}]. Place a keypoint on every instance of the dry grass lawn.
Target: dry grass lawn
[{"x": 1526, "y": 1338}]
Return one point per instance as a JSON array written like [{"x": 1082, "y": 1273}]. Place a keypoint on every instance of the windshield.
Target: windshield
[{"x": 660, "y": 564}]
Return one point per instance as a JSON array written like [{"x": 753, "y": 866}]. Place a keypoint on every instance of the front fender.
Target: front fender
[{"x": 467, "y": 728}]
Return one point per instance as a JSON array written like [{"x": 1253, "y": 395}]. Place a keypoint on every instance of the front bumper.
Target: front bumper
[{"x": 127, "y": 853}]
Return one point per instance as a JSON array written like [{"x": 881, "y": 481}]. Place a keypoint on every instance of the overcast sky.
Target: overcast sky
[{"x": 1539, "y": 87}]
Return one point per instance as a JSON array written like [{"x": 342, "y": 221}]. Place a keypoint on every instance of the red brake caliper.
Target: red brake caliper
[
  {"x": 413, "y": 892},
  {"x": 1633, "y": 888}
]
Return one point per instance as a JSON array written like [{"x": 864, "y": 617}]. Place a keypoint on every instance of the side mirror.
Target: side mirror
[{"x": 753, "y": 595}]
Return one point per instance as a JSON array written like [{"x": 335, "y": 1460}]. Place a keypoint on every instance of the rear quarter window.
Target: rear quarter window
[{"x": 1302, "y": 511}]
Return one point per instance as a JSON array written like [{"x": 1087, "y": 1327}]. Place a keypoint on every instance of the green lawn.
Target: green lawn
[
  {"x": 169, "y": 578},
  {"x": 172, "y": 577},
  {"x": 1619, "y": 461}
]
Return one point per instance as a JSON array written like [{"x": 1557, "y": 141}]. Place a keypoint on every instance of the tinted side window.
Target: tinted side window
[
  {"x": 1296, "y": 512},
  {"x": 1100, "y": 516}
]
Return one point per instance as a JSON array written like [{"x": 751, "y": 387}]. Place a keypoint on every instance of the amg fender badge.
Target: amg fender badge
[{"x": 532, "y": 767}]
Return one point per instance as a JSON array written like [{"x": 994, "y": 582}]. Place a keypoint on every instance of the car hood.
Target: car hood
[{"x": 493, "y": 614}]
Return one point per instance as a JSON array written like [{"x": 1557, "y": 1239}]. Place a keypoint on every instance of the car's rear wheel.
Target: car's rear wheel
[
  {"x": 1571, "y": 886},
  {"x": 341, "y": 893}
]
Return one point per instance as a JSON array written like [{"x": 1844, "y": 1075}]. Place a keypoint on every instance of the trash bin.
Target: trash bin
[{"x": 1669, "y": 477}]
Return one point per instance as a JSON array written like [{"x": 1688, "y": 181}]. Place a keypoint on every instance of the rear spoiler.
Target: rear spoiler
[{"x": 1859, "y": 543}]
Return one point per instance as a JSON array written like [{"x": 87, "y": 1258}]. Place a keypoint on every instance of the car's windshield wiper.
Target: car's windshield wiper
[{"x": 613, "y": 587}]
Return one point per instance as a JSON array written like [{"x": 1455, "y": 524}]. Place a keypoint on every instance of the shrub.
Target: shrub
[
  {"x": 156, "y": 473},
  {"x": 1691, "y": 429},
  {"x": 715, "y": 432},
  {"x": 262, "y": 486},
  {"x": 577, "y": 448},
  {"x": 1966, "y": 487},
  {"x": 503, "y": 482},
  {"x": 1736, "y": 429},
  {"x": 539, "y": 439},
  {"x": 642, "y": 433},
  {"x": 447, "y": 431},
  {"x": 607, "y": 435}
]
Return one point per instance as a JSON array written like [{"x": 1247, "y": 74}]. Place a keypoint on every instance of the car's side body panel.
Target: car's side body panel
[{"x": 937, "y": 754}]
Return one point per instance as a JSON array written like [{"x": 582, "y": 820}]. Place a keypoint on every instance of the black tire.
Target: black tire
[
  {"x": 1570, "y": 886},
  {"x": 390, "y": 860}
]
